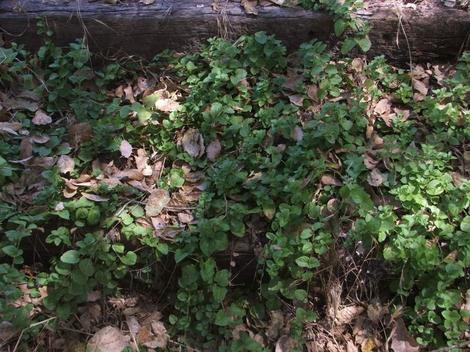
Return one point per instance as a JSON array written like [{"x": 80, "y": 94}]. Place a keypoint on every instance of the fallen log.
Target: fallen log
[{"x": 429, "y": 32}]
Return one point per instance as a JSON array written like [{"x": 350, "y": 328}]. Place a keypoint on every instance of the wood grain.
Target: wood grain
[{"x": 432, "y": 33}]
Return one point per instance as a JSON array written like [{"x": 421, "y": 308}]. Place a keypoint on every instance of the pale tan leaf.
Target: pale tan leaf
[
  {"x": 41, "y": 118},
  {"x": 193, "y": 143},
  {"x": 108, "y": 339},
  {"x": 348, "y": 314},
  {"x": 132, "y": 174},
  {"x": 129, "y": 94},
  {"x": 285, "y": 344},
  {"x": 312, "y": 93},
  {"x": 330, "y": 180},
  {"x": 375, "y": 178},
  {"x": 297, "y": 134},
  {"x": 80, "y": 133},
  {"x": 133, "y": 325},
  {"x": 65, "y": 164},
  {"x": 401, "y": 339},
  {"x": 94, "y": 197},
  {"x": 250, "y": 7},
  {"x": 166, "y": 105},
  {"x": 383, "y": 107},
  {"x": 125, "y": 148},
  {"x": 213, "y": 150},
  {"x": 156, "y": 202},
  {"x": 185, "y": 218},
  {"x": 351, "y": 347},
  {"x": 147, "y": 2},
  {"x": 161, "y": 337}
]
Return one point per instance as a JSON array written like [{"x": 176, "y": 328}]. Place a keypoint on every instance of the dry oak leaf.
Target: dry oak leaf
[
  {"x": 156, "y": 202},
  {"x": 26, "y": 148},
  {"x": 108, "y": 339},
  {"x": 41, "y": 118},
  {"x": 213, "y": 150},
  {"x": 401, "y": 339},
  {"x": 65, "y": 164},
  {"x": 193, "y": 143},
  {"x": 80, "y": 133},
  {"x": 125, "y": 148}
]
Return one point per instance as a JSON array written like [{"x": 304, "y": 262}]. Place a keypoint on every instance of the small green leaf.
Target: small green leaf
[
  {"x": 86, "y": 267},
  {"x": 221, "y": 318},
  {"x": 137, "y": 211},
  {"x": 70, "y": 257},
  {"x": 348, "y": 45},
  {"x": 307, "y": 262},
  {"x": 340, "y": 26},
  {"x": 465, "y": 224},
  {"x": 261, "y": 37},
  {"x": 364, "y": 44},
  {"x": 129, "y": 259}
]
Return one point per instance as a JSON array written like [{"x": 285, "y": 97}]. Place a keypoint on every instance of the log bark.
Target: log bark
[{"x": 428, "y": 33}]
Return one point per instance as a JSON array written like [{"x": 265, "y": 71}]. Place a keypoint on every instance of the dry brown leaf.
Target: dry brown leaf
[
  {"x": 368, "y": 345},
  {"x": 185, "y": 218},
  {"x": 156, "y": 202},
  {"x": 369, "y": 162},
  {"x": 193, "y": 143},
  {"x": 108, "y": 339},
  {"x": 297, "y": 100},
  {"x": 329, "y": 180},
  {"x": 125, "y": 148},
  {"x": 275, "y": 325},
  {"x": 80, "y": 133},
  {"x": 7, "y": 331},
  {"x": 250, "y": 7},
  {"x": 94, "y": 197},
  {"x": 41, "y": 118},
  {"x": 312, "y": 93},
  {"x": 161, "y": 337},
  {"x": 348, "y": 314},
  {"x": 287, "y": 3},
  {"x": 131, "y": 174},
  {"x": 375, "y": 312},
  {"x": 133, "y": 325},
  {"x": 401, "y": 339},
  {"x": 129, "y": 94},
  {"x": 375, "y": 178},
  {"x": 383, "y": 107},
  {"x": 65, "y": 164},
  {"x": 285, "y": 344},
  {"x": 147, "y": 2},
  {"x": 94, "y": 296},
  {"x": 141, "y": 161},
  {"x": 213, "y": 150},
  {"x": 26, "y": 148},
  {"x": 351, "y": 347}
]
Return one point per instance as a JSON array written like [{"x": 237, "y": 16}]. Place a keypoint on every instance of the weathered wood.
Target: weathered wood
[{"x": 132, "y": 28}]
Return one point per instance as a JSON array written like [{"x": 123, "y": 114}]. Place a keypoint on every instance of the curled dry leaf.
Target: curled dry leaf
[
  {"x": 108, "y": 339},
  {"x": 125, "y": 148},
  {"x": 312, "y": 93},
  {"x": 369, "y": 162},
  {"x": 213, "y": 150},
  {"x": 141, "y": 161},
  {"x": 41, "y": 118},
  {"x": 401, "y": 339},
  {"x": 250, "y": 7},
  {"x": 156, "y": 202},
  {"x": 10, "y": 127},
  {"x": 329, "y": 180},
  {"x": 193, "y": 143},
  {"x": 133, "y": 325},
  {"x": 65, "y": 164},
  {"x": 297, "y": 100},
  {"x": 40, "y": 139},
  {"x": 185, "y": 218},
  {"x": 375, "y": 178},
  {"x": 129, "y": 94}
]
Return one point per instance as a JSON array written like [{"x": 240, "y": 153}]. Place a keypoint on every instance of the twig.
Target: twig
[{"x": 29, "y": 327}]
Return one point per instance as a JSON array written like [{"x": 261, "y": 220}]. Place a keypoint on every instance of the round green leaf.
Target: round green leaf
[{"x": 70, "y": 257}]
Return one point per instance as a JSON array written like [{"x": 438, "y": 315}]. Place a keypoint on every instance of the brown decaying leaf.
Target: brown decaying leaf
[
  {"x": 41, "y": 118},
  {"x": 129, "y": 94},
  {"x": 80, "y": 133},
  {"x": 193, "y": 143},
  {"x": 10, "y": 127},
  {"x": 156, "y": 202},
  {"x": 213, "y": 150},
  {"x": 285, "y": 344},
  {"x": 26, "y": 148},
  {"x": 312, "y": 93},
  {"x": 250, "y": 7},
  {"x": 40, "y": 139},
  {"x": 125, "y": 148},
  {"x": 65, "y": 164},
  {"x": 401, "y": 339},
  {"x": 297, "y": 100},
  {"x": 108, "y": 339}
]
